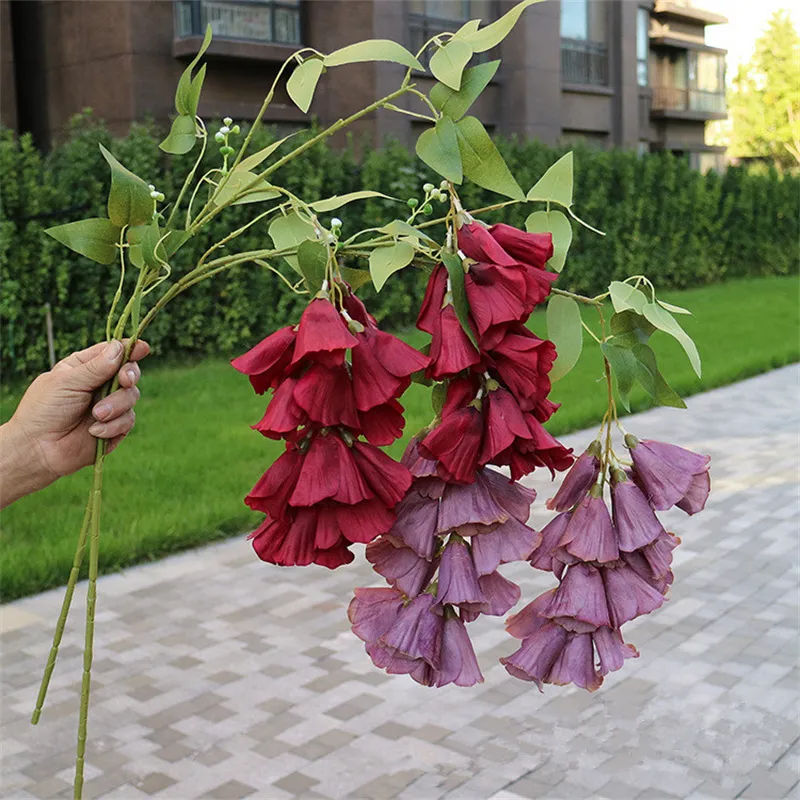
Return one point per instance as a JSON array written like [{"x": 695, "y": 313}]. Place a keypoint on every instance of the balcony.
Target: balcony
[
  {"x": 584, "y": 62},
  {"x": 670, "y": 101},
  {"x": 261, "y": 21}
]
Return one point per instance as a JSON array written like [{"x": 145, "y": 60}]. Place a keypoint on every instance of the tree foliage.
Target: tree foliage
[{"x": 764, "y": 100}]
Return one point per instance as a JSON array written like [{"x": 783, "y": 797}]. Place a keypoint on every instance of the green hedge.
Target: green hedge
[{"x": 663, "y": 219}]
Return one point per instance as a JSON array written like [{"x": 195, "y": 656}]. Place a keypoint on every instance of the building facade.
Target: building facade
[{"x": 627, "y": 73}]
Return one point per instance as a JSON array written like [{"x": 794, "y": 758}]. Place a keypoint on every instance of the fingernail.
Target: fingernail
[
  {"x": 98, "y": 429},
  {"x": 132, "y": 376},
  {"x": 101, "y": 411},
  {"x": 113, "y": 351}
]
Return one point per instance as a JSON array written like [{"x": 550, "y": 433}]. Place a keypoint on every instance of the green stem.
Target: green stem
[
  {"x": 91, "y": 602},
  {"x": 190, "y": 176},
  {"x": 62, "y": 617},
  {"x": 118, "y": 293},
  {"x": 577, "y": 297}
]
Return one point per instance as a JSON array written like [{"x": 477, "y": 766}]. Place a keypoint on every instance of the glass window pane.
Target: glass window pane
[
  {"x": 642, "y": 33},
  {"x": 447, "y": 9},
  {"x": 641, "y": 73},
  {"x": 574, "y": 19}
]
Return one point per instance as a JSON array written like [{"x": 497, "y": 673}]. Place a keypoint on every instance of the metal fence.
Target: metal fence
[{"x": 584, "y": 62}]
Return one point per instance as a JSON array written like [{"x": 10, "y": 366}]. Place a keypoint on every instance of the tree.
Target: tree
[{"x": 764, "y": 100}]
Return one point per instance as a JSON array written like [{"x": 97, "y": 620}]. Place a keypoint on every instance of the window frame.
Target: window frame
[{"x": 643, "y": 41}]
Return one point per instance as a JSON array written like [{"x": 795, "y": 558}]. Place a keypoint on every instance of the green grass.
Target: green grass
[{"x": 180, "y": 479}]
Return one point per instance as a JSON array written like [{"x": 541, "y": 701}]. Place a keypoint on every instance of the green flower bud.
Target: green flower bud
[
  {"x": 220, "y": 137},
  {"x": 412, "y": 202},
  {"x": 443, "y": 186},
  {"x": 427, "y": 208},
  {"x": 227, "y": 121},
  {"x": 428, "y": 187},
  {"x": 236, "y": 129},
  {"x": 160, "y": 197}
]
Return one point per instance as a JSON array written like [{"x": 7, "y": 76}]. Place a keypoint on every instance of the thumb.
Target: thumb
[{"x": 92, "y": 374}]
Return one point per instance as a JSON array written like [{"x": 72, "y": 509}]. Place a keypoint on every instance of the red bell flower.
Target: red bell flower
[
  {"x": 451, "y": 349},
  {"x": 456, "y": 443},
  {"x": 321, "y": 330},
  {"x": 532, "y": 249},
  {"x": 428, "y": 319},
  {"x": 383, "y": 424},
  {"x": 267, "y": 362},
  {"x": 496, "y": 295}
]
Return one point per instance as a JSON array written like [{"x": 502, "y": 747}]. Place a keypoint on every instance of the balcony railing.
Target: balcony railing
[
  {"x": 246, "y": 20},
  {"x": 584, "y": 62},
  {"x": 670, "y": 98}
]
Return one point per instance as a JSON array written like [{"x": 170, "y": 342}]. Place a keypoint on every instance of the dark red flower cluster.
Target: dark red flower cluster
[
  {"x": 497, "y": 392},
  {"x": 335, "y": 377},
  {"x": 612, "y": 567}
]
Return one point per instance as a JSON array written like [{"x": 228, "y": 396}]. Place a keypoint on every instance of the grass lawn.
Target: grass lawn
[{"x": 180, "y": 480}]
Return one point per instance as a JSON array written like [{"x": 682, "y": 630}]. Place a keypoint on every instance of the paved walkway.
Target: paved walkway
[{"x": 220, "y": 677}]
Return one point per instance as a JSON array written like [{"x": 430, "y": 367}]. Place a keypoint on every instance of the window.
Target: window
[
  {"x": 274, "y": 21},
  {"x": 642, "y": 45},
  {"x": 426, "y": 18},
  {"x": 690, "y": 81},
  {"x": 584, "y": 54}
]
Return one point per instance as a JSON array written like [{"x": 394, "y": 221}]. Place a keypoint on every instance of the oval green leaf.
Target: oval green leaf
[
  {"x": 94, "y": 238},
  {"x": 288, "y": 231},
  {"x": 129, "y": 201},
  {"x": 312, "y": 259},
  {"x": 303, "y": 81},
  {"x": 664, "y": 321},
  {"x": 565, "y": 331},
  {"x": 557, "y": 224},
  {"x": 372, "y": 50},
  {"x": 625, "y": 297},
  {"x": 474, "y": 80},
  {"x": 448, "y": 62},
  {"x": 182, "y": 136},
  {"x": 623, "y": 367},
  {"x": 438, "y": 148},
  {"x": 482, "y": 161},
  {"x": 384, "y": 261},
  {"x": 339, "y": 200},
  {"x": 650, "y": 377},
  {"x": 555, "y": 185},
  {"x": 237, "y": 181},
  {"x": 251, "y": 162}
]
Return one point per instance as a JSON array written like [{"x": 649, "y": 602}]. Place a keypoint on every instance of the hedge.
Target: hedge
[{"x": 663, "y": 219}]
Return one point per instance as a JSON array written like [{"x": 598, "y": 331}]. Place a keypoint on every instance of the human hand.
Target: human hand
[{"x": 53, "y": 432}]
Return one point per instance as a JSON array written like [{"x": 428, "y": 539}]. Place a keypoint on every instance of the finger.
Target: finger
[
  {"x": 129, "y": 375},
  {"x": 113, "y": 443},
  {"x": 92, "y": 374},
  {"x": 116, "y": 427},
  {"x": 116, "y": 404},
  {"x": 140, "y": 350}
]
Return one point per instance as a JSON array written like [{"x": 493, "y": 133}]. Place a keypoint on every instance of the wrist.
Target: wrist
[{"x": 23, "y": 469}]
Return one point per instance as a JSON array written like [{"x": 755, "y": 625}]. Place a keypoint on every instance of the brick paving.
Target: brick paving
[{"x": 217, "y": 676}]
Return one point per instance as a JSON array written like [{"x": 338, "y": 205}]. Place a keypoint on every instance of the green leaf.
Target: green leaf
[
  {"x": 181, "y": 137},
  {"x": 339, "y": 200},
  {"x": 303, "y": 81},
  {"x": 474, "y": 80},
  {"x": 399, "y": 227},
  {"x": 289, "y": 231},
  {"x": 237, "y": 181},
  {"x": 565, "y": 331},
  {"x": 185, "y": 95},
  {"x": 467, "y": 28},
  {"x": 455, "y": 271},
  {"x": 664, "y": 321},
  {"x": 490, "y": 36},
  {"x": 383, "y": 261},
  {"x": 196, "y": 88},
  {"x": 174, "y": 241},
  {"x": 448, "y": 62},
  {"x": 129, "y": 201},
  {"x": 372, "y": 50},
  {"x": 629, "y": 328},
  {"x": 623, "y": 366},
  {"x": 355, "y": 277},
  {"x": 624, "y": 297},
  {"x": 438, "y": 396},
  {"x": 482, "y": 161},
  {"x": 557, "y": 224},
  {"x": 251, "y": 162},
  {"x": 653, "y": 381},
  {"x": 312, "y": 258},
  {"x": 438, "y": 148},
  {"x": 556, "y": 184},
  {"x": 143, "y": 241},
  {"x": 94, "y": 238},
  {"x": 674, "y": 309}
]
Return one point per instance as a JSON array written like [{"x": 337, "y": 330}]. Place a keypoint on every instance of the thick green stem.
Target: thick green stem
[{"x": 62, "y": 617}]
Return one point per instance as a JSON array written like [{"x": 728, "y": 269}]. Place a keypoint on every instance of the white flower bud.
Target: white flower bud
[
  {"x": 154, "y": 194},
  {"x": 443, "y": 186},
  {"x": 219, "y": 137},
  {"x": 428, "y": 187},
  {"x": 150, "y": 186},
  {"x": 227, "y": 121},
  {"x": 224, "y": 129},
  {"x": 336, "y": 223}
]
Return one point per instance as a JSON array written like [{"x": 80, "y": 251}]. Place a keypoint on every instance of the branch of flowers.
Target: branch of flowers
[
  {"x": 577, "y": 297},
  {"x": 190, "y": 176}
]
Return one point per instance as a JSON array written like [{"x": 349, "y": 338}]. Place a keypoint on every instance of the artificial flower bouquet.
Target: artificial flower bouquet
[{"x": 438, "y": 525}]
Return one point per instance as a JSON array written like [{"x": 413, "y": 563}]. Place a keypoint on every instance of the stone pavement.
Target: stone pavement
[{"x": 217, "y": 676}]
